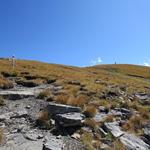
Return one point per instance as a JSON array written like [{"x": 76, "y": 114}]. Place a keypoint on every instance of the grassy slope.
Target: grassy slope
[{"x": 135, "y": 77}]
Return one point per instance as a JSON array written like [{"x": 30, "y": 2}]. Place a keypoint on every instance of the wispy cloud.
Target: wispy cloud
[
  {"x": 147, "y": 63},
  {"x": 96, "y": 61}
]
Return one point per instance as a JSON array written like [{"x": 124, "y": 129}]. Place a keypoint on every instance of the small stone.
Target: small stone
[
  {"x": 28, "y": 107},
  {"x": 76, "y": 136}
]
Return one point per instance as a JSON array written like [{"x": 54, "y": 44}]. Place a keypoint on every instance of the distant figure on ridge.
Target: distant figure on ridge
[{"x": 13, "y": 61}]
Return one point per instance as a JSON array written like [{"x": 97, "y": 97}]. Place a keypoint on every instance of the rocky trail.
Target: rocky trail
[{"x": 18, "y": 118}]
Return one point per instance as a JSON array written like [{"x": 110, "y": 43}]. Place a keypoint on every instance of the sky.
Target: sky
[{"x": 76, "y": 32}]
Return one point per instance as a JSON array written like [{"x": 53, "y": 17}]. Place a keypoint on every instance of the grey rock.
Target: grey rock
[
  {"x": 142, "y": 96},
  {"x": 20, "y": 113},
  {"x": 6, "y": 116},
  {"x": 28, "y": 107},
  {"x": 22, "y": 92},
  {"x": 122, "y": 112},
  {"x": 103, "y": 132},
  {"x": 100, "y": 117},
  {"x": 103, "y": 109},
  {"x": 147, "y": 133},
  {"x": 55, "y": 109},
  {"x": 18, "y": 142},
  {"x": 57, "y": 88},
  {"x": 104, "y": 146},
  {"x": 114, "y": 128},
  {"x": 133, "y": 143},
  {"x": 75, "y": 82},
  {"x": 70, "y": 119},
  {"x": 72, "y": 144},
  {"x": 52, "y": 143},
  {"x": 87, "y": 129},
  {"x": 33, "y": 135}
]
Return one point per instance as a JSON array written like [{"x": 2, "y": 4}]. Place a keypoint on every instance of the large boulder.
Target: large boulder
[
  {"x": 55, "y": 109},
  {"x": 70, "y": 119},
  {"x": 133, "y": 143}
]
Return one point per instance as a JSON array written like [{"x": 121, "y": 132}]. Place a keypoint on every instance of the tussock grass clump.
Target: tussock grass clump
[
  {"x": 70, "y": 99},
  {"x": 43, "y": 119},
  {"x": 9, "y": 74},
  {"x": 50, "y": 80},
  {"x": 79, "y": 100},
  {"x": 5, "y": 84},
  {"x": 2, "y": 101},
  {"x": 90, "y": 140},
  {"x": 92, "y": 124},
  {"x": 109, "y": 118},
  {"x": 44, "y": 94},
  {"x": 87, "y": 139},
  {"x": 30, "y": 83},
  {"x": 90, "y": 111},
  {"x": 117, "y": 145},
  {"x": 134, "y": 125},
  {"x": 1, "y": 135},
  {"x": 62, "y": 98}
]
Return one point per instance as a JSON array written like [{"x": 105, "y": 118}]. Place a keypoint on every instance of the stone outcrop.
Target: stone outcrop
[
  {"x": 70, "y": 119},
  {"x": 55, "y": 109},
  {"x": 114, "y": 128},
  {"x": 133, "y": 143}
]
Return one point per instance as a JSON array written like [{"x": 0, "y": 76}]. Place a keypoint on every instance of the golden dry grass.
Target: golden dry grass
[
  {"x": 111, "y": 74},
  {"x": 43, "y": 119},
  {"x": 90, "y": 110},
  {"x": 1, "y": 135},
  {"x": 117, "y": 145},
  {"x": 132, "y": 78},
  {"x": 134, "y": 125},
  {"x": 2, "y": 101},
  {"x": 44, "y": 94}
]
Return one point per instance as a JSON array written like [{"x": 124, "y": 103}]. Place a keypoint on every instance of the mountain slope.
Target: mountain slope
[{"x": 110, "y": 98}]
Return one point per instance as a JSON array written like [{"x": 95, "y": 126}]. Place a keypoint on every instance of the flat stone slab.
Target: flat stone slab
[
  {"x": 55, "y": 109},
  {"x": 22, "y": 92},
  {"x": 133, "y": 143},
  {"x": 70, "y": 119},
  {"x": 114, "y": 128}
]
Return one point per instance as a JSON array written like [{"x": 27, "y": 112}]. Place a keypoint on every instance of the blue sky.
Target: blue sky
[{"x": 76, "y": 32}]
